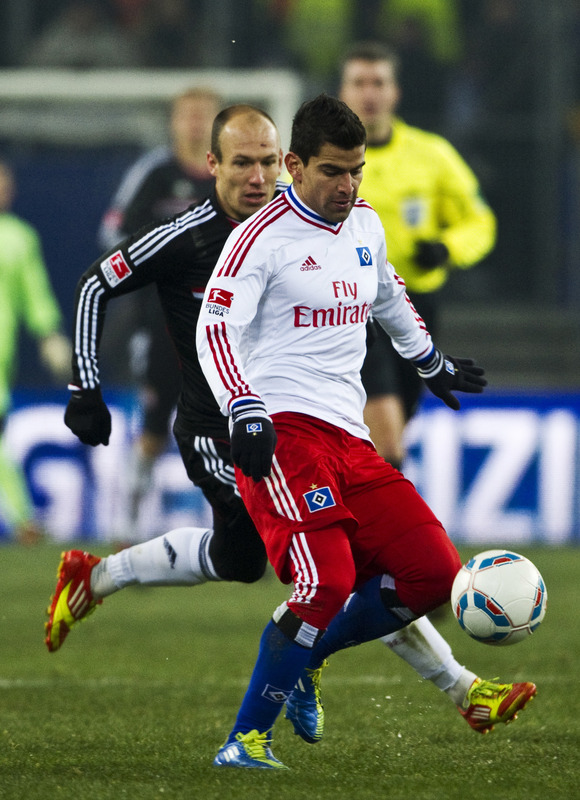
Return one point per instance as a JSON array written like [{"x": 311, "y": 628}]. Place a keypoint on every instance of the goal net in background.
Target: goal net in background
[{"x": 128, "y": 106}]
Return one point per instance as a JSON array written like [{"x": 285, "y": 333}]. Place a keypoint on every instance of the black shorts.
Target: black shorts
[
  {"x": 209, "y": 466},
  {"x": 236, "y": 549}
]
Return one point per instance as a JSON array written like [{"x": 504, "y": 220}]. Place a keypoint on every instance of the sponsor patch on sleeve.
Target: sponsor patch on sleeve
[
  {"x": 317, "y": 499},
  {"x": 220, "y": 297},
  {"x": 115, "y": 268},
  {"x": 219, "y": 301}
]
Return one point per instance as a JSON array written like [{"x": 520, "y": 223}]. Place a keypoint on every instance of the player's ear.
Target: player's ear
[
  {"x": 294, "y": 166},
  {"x": 212, "y": 163}
]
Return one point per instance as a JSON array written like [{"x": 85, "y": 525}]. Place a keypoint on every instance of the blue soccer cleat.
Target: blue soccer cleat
[
  {"x": 304, "y": 708},
  {"x": 250, "y": 751}
]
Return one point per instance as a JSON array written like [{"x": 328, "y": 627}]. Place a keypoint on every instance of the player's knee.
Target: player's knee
[
  {"x": 426, "y": 583},
  {"x": 295, "y": 628},
  {"x": 237, "y": 552},
  {"x": 250, "y": 569},
  {"x": 246, "y": 568},
  {"x": 434, "y": 587},
  {"x": 318, "y": 605}
]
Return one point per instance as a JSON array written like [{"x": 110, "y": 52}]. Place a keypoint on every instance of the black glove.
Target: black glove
[
  {"x": 88, "y": 416},
  {"x": 253, "y": 439},
  {"x": 429, "y": 255},
  {"x": 442, "y": 374}
]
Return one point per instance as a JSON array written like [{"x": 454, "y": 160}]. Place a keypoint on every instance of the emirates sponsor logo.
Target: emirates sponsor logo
[{"x": 307, "y": 317}]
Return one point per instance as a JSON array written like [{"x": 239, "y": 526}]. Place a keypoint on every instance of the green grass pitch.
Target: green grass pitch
[{"x": 143, "y": 693}]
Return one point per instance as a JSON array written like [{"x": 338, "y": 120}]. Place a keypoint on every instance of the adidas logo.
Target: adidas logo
[{"x": 309, "y": 264}]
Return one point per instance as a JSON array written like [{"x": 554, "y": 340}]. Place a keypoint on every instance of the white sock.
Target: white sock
[
  {"x": 424, "y": 649},
  {"x": 177, "y": 558}
]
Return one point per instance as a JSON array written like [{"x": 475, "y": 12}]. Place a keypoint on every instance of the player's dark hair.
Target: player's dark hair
[
  {"x": 370, "y": 51},
  {"x": 225, "y": 115},
  {"x": 325, "y": 120}
]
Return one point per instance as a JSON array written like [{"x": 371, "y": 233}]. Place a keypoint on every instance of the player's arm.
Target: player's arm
[
  {"x": 133, "y": 264},
  {"x": 229, "y": 305},
  {"x": 442, "y": 374}
]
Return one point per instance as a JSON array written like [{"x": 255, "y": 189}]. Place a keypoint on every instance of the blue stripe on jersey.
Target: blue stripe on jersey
[{"x": 308, "y": 213}]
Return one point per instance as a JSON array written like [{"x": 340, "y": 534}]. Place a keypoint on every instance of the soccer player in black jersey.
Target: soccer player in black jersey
[{"x": 178, "y": 257}]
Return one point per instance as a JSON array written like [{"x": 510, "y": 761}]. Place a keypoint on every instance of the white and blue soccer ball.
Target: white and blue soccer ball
[{"x": 499, "y": 597}]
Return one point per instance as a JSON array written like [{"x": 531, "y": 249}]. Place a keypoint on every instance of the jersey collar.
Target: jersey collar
[{"x": 308, "y": 215}]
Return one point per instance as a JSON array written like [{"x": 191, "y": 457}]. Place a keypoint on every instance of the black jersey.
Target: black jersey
[
  {"x": 178, "y": 256},
  {"x": 155, "y": 187}
]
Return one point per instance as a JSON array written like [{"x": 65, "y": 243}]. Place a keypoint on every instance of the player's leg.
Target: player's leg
[
  {"x": 429, "y": 654},
  {"x": 231, "y": 550},
  {"x": 385, "y": 418},
  {"x": 322, "y": 571},
  {"x": 177, "y": 558},
  {"x": 306, "y": 536},
  {"x": 397, "y": 538},
  {"x": 235, "y": 550}
]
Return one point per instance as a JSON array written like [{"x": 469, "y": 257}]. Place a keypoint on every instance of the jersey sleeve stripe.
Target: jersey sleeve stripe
[
  {"x": 86, "y": 332},
  {"x": 418, "y": 317},
  {"x": 212, "y": 333},
  {"x": 225, "y": 363},
  {"x": 156, "y": 239}
]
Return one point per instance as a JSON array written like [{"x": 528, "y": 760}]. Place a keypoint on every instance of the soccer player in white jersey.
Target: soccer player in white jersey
[
  {"x": 246, "y": 158},
  {"x": 281, "y": 339}
]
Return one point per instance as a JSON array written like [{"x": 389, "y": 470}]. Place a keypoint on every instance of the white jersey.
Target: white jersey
[{"x": 283, "y": 315}]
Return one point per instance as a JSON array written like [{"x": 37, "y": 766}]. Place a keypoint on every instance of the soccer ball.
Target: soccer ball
[{"x": 499, "y": 597}]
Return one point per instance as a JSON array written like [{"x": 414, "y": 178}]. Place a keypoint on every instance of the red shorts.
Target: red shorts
[{"x": 334, "y": 512}]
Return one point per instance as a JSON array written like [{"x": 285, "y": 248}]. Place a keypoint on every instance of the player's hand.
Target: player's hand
[
  {"x": 444, "y": 374},
  {"x": 430, "y": 254},
  {"x": 253, "y": 439},
  {"x": 88, "y": 417}
]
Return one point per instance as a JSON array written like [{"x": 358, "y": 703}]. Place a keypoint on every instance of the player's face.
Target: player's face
[
  {"x": 250, "y": 164},
  {"x": 329, "y": 183},
  {"x": 370, "y": 89}
]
